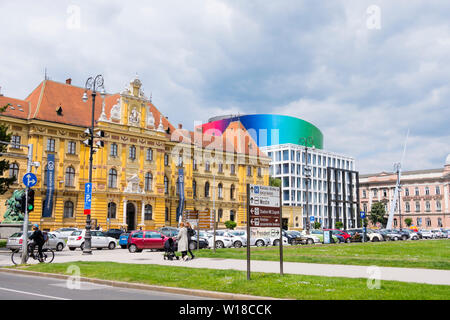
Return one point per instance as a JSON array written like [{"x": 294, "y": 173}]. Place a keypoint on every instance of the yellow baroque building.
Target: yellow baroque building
[{"x": 135, "y": 174}]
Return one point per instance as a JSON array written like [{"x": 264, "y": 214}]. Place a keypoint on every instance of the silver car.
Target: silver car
[
  {"x": 64, "y": 233},
  {"x": 15, "y": 241}
]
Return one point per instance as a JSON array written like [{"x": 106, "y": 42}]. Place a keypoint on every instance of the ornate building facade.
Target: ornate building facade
[
  {"x": 136, "y": 173},
  {"x": 424, "y": 196}
]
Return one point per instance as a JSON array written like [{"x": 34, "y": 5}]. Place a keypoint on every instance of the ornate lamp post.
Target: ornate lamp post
[
  {"x": 92, "y": 84},
  {"x": 307, "y": 174}
]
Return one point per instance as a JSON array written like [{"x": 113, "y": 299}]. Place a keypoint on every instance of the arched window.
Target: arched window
[
  {"x": 14, "y": 170},
  {"x": 166, "y": 185},
  {"x": 148, "y": 181},
  {"x": 428, "y": 206},
  {"x": 112, "y": 208},
  {"x": 220, "y": 190},
  {"x": 207, "y": 190},
  {"x": 68, "y": 209},
  {"x": 148, "y": 212},
  {"x": 408, "y": 207},
  {"x": 232, "y": 188},
  {"x": 438, "y": 206},
  {"x": 232, "y": 215},
  {"x": 194, "y": 188},
  {"x": 70, "y": 177},
  {"x": 112, "y": 178}
]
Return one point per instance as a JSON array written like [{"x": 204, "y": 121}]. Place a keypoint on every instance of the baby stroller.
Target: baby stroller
[{"x": 169, "y": 250}]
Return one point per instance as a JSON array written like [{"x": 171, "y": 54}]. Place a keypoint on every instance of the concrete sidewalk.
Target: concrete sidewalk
[{"x": 428, "y": 276}]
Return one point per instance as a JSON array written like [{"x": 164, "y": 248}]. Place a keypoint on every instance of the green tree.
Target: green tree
[
  {"x": 408, "y": 222},
  {"x": 230, "y": 224},
  {"x": 377, "y": 214},
  {"x": 338, "y": 224},
  {"x": 274, "y": 182},
  {"x": 4, "y": 164},
  {"x": 317, "y": 225}
]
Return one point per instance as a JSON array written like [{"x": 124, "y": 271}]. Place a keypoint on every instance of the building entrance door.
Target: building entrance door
[{"x": 131, "y": 216}]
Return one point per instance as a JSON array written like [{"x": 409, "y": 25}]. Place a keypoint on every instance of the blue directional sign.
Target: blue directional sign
[
  {"x": 311, "y": 219},
  {"x": 363, "y": 214},
  {"x": 87, "y": 197},
  {"x": 29, "y": 180}
]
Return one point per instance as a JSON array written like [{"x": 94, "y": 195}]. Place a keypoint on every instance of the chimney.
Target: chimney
[
  {"x": 69, "y": 81},
  {"x": 180, "y": 126}
]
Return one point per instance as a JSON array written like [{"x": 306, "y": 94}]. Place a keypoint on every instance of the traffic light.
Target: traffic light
[
  {"x": 20, "y": 202},
  {"x": 30, "y": 200}
]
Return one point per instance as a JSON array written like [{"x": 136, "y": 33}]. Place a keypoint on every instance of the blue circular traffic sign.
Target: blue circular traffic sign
[{"x": 29, "y": 180}]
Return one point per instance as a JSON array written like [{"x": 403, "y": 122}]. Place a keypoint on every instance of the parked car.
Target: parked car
[
  {"x": 288, "y": 236},
  {"x": 241, "y": 238},
  {"x": 389, "y": 235},
  {"x": 319, "y": 234},
  {"x": 64, "y": 233},
  {"x": 202, "y": 241},
  {"x": 411, "y": 234},
  {"x": 343, "y": 234},
  {"x": 356, "y": 235},
  {"x": 303, "y": 238},
  {"x": 98, "y": 240},
  {"x": 254, "y": 241},
  {"x": 275, "y": 241},
  {"x": 114, "y": 233},
  {"x": 427, "y": 234},
  {"x": 123, "y": 240},
  {"x": 223, "y": 239},
  {"x": 438, "y": 233},
  {"x": 374, "y": 236},
  {"x": 146, "y": 239},
  {"x": 15, "y": 241},
  {"x": 169, "y": 231},
  {"x": 55, "y": 242}
]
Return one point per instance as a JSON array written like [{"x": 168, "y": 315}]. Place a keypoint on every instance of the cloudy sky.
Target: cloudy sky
[{"x": 364, "y": 72}]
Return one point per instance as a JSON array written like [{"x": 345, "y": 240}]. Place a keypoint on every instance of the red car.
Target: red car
[
  {"x": 146, "y": 239},
  {"x": 345, "y": 235}
]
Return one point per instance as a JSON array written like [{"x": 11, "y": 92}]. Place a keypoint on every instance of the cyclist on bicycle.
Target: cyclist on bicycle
[{"x": 38, "y": 239}]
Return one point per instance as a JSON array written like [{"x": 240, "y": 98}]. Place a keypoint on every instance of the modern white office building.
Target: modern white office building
[{"x": 288, "y": 164}]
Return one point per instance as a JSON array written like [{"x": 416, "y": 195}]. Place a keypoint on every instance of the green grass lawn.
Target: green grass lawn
[
  {"x": 261, "y": 284},
  {"x": 433, "y": 254}
]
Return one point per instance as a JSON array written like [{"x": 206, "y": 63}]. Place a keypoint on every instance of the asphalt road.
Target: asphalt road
[{"x": 20, "y": 287}]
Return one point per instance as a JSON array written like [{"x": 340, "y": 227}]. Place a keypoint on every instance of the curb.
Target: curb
[{"x": 129, "y": 285}]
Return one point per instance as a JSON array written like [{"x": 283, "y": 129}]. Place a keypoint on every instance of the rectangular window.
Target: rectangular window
[
  {"x": 72, "y": 147},
  {"x": 149, "y": 154},
  {"x": 51, "y": 145},
  {"x": 15, "y": 142},
  {"x": 132, "y": 154},
  {"x": 232, "y": 169},
  {"x": 166, "y": 159},
  {"x": 438, "y": 190},
  {"x": 259, "y": 172},
  {"x": 220, "y": 169},
  {"x": 249, "y": 171},
  {"x": 113, "y": 150}
]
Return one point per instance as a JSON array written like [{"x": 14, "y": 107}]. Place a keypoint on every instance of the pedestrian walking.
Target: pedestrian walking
[
  {"x": 183, "y": 243},
  {"x": 190, "y": 233}
]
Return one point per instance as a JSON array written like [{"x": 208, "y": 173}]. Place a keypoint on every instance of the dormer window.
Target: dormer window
[{"x": 59, "y": 111}]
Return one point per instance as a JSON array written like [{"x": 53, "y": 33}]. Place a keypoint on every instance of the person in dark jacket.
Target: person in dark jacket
[
  {"x": 190, "y": 233},
  {"x": 38, "y": 239}
]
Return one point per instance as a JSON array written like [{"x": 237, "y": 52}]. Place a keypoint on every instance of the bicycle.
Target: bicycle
[{"x": 47, "y": 255}]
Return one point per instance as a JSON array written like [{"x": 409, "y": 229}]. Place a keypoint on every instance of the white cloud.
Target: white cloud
[{"x": 316, "y": 60}]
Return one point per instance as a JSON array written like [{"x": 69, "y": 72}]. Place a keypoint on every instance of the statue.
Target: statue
[
  {"x": 134, "y": 117},
  {"x": 13, "y": 214}
]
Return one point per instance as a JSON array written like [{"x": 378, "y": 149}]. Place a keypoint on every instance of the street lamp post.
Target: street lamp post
[
  {"x": 307, "y": 172},
  {"x": 91, "y": 84}
]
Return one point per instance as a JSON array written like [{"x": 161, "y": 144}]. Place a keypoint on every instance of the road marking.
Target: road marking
[{"x": 34, "y": 294}]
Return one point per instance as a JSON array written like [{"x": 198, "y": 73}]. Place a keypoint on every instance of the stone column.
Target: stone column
[
  {"x": 124, "y": 212},
  {"x": 142, "y": 214}
]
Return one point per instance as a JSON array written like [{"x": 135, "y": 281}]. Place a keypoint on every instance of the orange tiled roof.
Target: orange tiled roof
[{"x": 17, "y": 108}]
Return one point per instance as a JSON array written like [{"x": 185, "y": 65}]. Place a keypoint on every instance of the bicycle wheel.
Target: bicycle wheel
[
  {"x": 16, "y": 257},
  {"x": 48, "y": 256}
]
